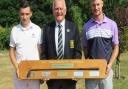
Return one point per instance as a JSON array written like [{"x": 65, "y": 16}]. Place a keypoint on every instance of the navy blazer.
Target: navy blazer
[{"x": 72, "y": 47}]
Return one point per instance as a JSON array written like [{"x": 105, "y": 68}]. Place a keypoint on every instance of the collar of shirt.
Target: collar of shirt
[
  {"x": 29, "y": 27},
  {"x": 93, "y": 20},
  {"x": 62, "y": 23}
]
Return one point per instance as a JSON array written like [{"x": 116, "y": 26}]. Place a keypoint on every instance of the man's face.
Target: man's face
[
  {"x": 25, "y": 15},
  {"x": 97, "y": 6},
  {"x": 59, "y": 10}
]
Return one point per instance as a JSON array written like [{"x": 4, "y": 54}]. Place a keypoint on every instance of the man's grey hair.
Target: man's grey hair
[{"x": 54, "y": 2}]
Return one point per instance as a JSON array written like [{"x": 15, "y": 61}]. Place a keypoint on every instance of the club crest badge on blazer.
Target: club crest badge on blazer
[
  {"x": 71, "y": 43},
  {"x": 68, "y": 30}
]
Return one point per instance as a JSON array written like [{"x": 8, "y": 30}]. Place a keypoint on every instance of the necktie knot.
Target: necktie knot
[{"x": 59, "y": 26}]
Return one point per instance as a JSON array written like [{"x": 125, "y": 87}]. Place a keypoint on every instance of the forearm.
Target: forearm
[
  {"x": 13, "y": 57},
  {"x": 39, "y": 50},
  {"x": 113, "y": 58},
  {"x": 114, "y": 55}
]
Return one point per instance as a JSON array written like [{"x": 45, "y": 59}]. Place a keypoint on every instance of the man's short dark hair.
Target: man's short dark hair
[{"x": 24, "y": 4}]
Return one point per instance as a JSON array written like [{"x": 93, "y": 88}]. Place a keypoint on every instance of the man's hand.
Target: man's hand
[
  {"x": 109, "y": 67},
  {"x": 41, "y": 81},
  {"x": 75, "y": 79}
]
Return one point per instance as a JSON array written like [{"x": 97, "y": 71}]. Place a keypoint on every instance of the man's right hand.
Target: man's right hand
[
  {"x": 41, "y": 81},
  {"x": 44, "y": 80}
]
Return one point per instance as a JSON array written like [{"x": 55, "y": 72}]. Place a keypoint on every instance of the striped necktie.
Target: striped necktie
[{"x": 60, "y": 43}]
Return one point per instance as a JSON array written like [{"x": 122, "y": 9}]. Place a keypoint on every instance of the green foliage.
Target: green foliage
[
  {"x": 8, "y": 15},
  {"x": 42, "y": 11},
  {"x": 79, "y": 11},
  {"x": 4, "y": 38},
  {"x": 76, "y": 16},
  {"x": 123, "y": 38}
]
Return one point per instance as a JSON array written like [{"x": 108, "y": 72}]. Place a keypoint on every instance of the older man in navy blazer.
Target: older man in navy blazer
[{"x": 61, "y": 41}]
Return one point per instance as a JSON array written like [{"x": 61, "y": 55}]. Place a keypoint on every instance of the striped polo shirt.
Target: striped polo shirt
[{"x": 99, "y": 38}]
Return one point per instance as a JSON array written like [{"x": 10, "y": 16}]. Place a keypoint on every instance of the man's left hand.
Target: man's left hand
[{"x": 109, "y": 66}]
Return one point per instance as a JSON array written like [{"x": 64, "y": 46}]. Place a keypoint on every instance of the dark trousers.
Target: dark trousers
[{"x": 61, "y": 84}]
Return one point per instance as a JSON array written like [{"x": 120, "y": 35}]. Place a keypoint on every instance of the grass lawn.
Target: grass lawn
[{"x": 6, "y": 73}]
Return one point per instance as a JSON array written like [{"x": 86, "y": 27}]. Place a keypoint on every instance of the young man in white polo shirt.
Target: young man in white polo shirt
[{"x": 25, "y": 39}]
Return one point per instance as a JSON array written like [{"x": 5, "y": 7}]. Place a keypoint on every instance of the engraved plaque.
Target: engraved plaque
[
  {"x": 62, "y": 74},
  {"x": 78, "y": 73},
  {"x": 94, "y": 73},
  {"x": 45, "y": 74},
  {"x": 61, "y": 65}
]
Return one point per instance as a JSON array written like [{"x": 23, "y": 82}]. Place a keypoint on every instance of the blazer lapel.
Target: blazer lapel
[
  {"x": 53, "y": 37},
  {"x": 66, "y": 37}
]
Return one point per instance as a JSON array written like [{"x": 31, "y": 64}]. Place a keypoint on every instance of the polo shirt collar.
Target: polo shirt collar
[
  {"x": 29, "y": 27},
  {"x": 104, "y": 20}
]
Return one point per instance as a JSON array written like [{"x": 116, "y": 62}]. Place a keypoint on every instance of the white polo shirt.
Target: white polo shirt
[{"x": 26, "y": 41}]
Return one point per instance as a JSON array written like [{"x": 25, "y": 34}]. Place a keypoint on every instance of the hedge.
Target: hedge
[{"x": 4, "y": 38}]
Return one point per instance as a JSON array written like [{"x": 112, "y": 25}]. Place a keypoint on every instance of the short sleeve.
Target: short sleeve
[
  {"x": 12, "y": 39},
  {"x": 40, "y": 36},
  {"x": 115, "y": 39}
]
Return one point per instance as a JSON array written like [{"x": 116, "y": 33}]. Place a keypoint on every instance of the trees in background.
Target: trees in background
[
  {"x": 4, "y": 38},
  {"x": 78, "y": 11},
  {"x": 8, "y": 12}
]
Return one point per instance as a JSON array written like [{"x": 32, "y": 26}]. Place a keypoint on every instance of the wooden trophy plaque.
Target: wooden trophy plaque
[{"x": 62, "y": 69}]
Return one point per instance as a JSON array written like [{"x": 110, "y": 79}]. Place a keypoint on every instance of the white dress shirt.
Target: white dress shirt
[{"x": 63, "y": 34}]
